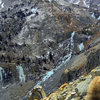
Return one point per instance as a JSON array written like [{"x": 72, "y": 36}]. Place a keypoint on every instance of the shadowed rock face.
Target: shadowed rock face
[{"x": 93, "y": 60}]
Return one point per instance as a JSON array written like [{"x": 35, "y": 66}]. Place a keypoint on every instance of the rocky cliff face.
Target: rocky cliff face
[
  {"x": 75, "y": 81},
  {"x": 83, "y": 88},
  {"x": 41, "y": 38}
]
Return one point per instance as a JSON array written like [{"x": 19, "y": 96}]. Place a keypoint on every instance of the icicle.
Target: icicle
[{"x": 2, "y": 5}]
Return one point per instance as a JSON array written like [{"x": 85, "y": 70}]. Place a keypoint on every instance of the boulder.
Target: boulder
[
  {"x": 83, "y": 86},
  {"x": 37, "y": 94}
]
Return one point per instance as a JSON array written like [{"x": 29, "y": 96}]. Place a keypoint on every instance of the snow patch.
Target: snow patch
[
  {"x": 48, "y": 39},
  {"x": 1, "y": 4},
  {"x": 60, "y": 45},
  {"x": 34, "y": 10},
  {"x": 51, "y": 0},
  {"x": 89, "y": 37},
  {"x": 84, "y": 2},
  {"x": 81, "y": 46},
  {"x": 93, "y": 16},
  {"x": 20, "y": 43},
  {"x": 99, "y": 18},
  {"x": 5, "y": 87}
]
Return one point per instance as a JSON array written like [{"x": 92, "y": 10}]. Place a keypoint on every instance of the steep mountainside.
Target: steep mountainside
[{"x": 41, "y": 39}]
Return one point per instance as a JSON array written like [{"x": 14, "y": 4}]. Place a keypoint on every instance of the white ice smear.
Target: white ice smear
[
  {"x": 1, "y": 74},
  {"x": 48, "y": 74},
  {"x": 5, "y": 87},
  {"x": 21, "y": 36},
  {"x": 34, "y": 10},
  {"x": 1, "y": 4},
  {"x": 60, "y": 45},
  {"x": 51, "y": 0},
  {"x": 99, "y": 18},
  {"x": 21, "y": 73},
  {"x": 89, "y": 37},
  {"x": 81, "y": 46},
  {"x": 77, "y": 2},
  {"x": 65, "y": 59},
  {"x": 93, "y": 16},
  {"x": 84, "y": 1}
]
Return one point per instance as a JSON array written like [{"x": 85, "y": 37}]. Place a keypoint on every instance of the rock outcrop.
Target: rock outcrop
[
  {"x": 37, "y": 94},
  {"x": 82, "y": 64},
  {"x": 84, "y": 88}
]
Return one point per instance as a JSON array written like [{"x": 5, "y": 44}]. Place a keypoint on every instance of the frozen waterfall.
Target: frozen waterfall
[
  {"x": 65, "y": 59},
  {"x": 21, "y": 73}
]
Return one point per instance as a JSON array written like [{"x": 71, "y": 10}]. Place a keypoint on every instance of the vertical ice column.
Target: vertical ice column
[
  {"x": 72, "y": 38},
  {"x": 64, "y": 61},
  {"x": 21, "y": 73},
  {"x": 68, "y": 56},
  {"x": 72, "y": 42}
]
